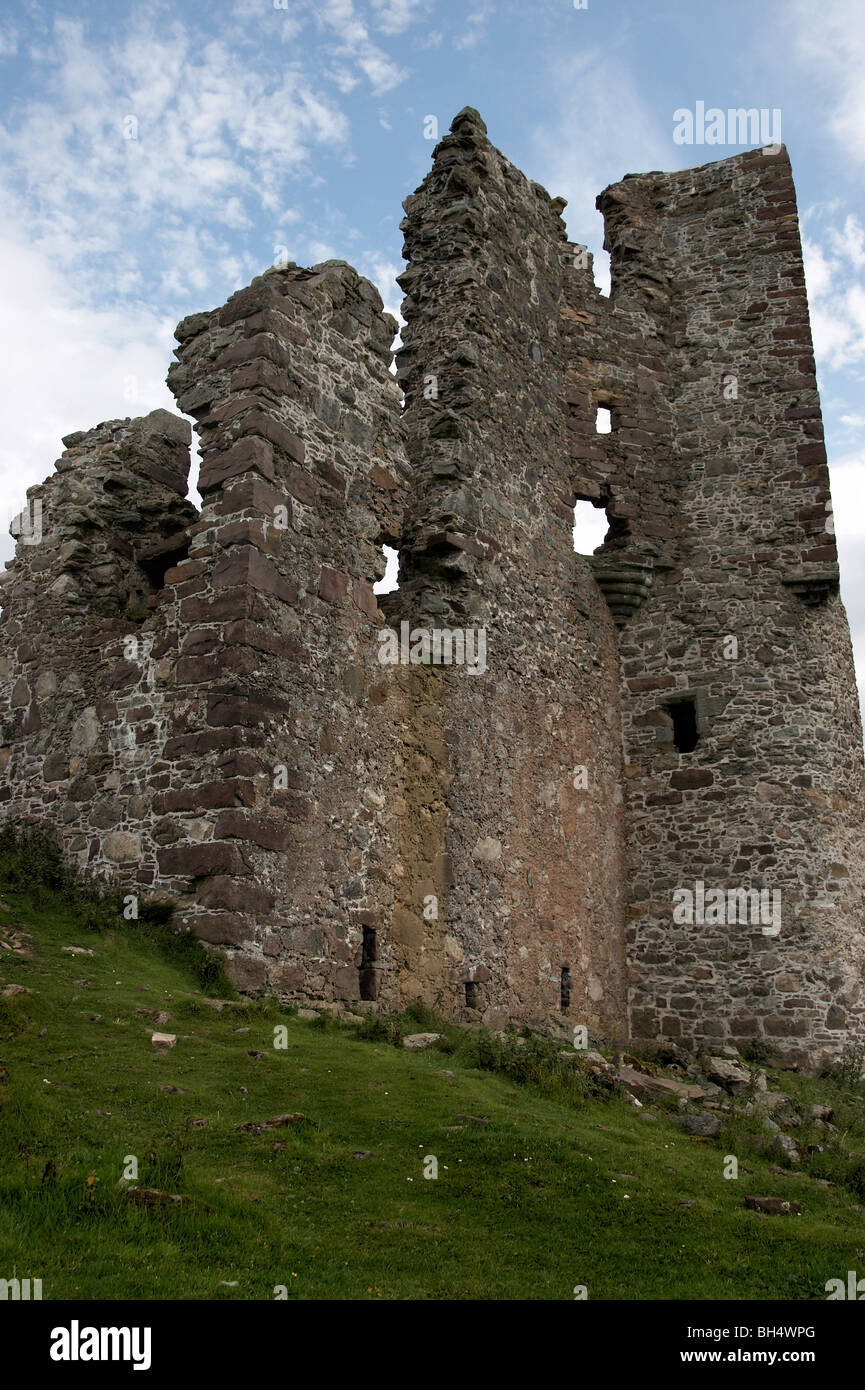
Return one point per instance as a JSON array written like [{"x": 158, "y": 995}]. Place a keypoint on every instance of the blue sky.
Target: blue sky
[{"x": 300, "y": 124}]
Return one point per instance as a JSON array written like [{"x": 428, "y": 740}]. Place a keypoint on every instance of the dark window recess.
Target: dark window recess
[
  {"x": 473, "y": 994},
  {"x": 684, "y": 716},
  {"x": 566, "y": 989},
  {"x": 161, "y": 556},
  {"x": 368, "y": 957}
]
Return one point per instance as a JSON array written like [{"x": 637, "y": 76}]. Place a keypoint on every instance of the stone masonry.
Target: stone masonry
[{"x": 202, "y": 705}]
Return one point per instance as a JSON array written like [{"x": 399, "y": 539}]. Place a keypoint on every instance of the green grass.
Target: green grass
[{"x": 560, "y": 1187}]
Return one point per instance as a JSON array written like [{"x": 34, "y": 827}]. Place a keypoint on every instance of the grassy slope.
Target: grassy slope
[{"x": 526, "y": 1206}]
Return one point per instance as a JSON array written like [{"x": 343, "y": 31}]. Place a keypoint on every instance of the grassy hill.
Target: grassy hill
[{"x": 542, "y": 1183}]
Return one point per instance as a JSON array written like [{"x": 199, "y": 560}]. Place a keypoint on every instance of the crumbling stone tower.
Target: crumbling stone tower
[
  {"x": 743, "y": 739},
  {"x": 200, "y": 705}
]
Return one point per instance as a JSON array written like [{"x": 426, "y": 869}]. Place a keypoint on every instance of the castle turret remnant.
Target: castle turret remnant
[{"x": 623, "y": 791}]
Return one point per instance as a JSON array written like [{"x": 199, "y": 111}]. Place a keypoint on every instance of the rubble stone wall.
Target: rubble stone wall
[
  {"x": 84, "y": 679},
  {"x": 744, "y": 622}
]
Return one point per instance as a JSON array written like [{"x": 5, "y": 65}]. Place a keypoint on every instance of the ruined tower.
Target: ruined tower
[{"x": 218, "y": 708}]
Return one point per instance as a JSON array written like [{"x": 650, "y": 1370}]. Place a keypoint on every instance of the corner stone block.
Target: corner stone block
[{"x": 202, "y": 860}]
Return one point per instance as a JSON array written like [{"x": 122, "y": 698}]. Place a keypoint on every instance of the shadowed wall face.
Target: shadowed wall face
[{"x": 531, "y": 827}]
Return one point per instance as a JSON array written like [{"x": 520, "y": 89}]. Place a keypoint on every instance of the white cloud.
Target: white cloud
[
  {"x": 590, "y": 528},
  {"x": 476, "y": 25},
  {"x": 850, "y": 241},
  {"x": 72, "y": 368},
  {"x": 318, "y": 251},
  {"x": 836, "y": 294},
  {"x": 829, "y": 40},
  {"x": 284, "y": 18},
  {"x": 847, "y": 480},
  {"x": 151, "y": 139},
  {"x": 818, "y": 269},
  {"x": 355, "y": 45},
  {"x": 346, "y": 81},
  {"x": 196, "y": 259},
  {"x": 395, "y": 16},
  {"x": 602, "y": 130},
  {"x": 390, "y": 579},
  {"x": 383, "y": 273}
]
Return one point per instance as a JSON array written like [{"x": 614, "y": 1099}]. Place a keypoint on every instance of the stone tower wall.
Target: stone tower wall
[
  {"x": 772, "y": 795},
  {"x": 282, "y": 829}
]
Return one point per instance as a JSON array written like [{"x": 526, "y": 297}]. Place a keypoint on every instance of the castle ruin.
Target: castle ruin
[{"x": 198, "y": 703}]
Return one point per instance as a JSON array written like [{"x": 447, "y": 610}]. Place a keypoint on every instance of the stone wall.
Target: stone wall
[
  {"x": 82, "y": 700},
  {"x": 742, "y": 620},
  {"x": 278, "y": 823},
  {"x": 201, "y": 703},
  {"x": 535, "y": 853}
]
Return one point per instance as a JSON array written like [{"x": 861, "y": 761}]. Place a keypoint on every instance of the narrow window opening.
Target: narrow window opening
[
  {"x": 590, "y": 527},
  {"x": 473, "y": 994},
  {"x": 368, "y": 958},
  {"x": 160, "y": 556},
  {"x": 601, "y": 266},
  {"x": 389, "y": 581},
  {"x": 684, "y": 716},
  {"x": 603, "y": 420},
  {"x": 566, "y": 989}
]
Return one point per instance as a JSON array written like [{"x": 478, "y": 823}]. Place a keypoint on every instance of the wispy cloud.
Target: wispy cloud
[
  {"x": 354, "y": 45},
  {"x": 155, "y": 144},
  {"x": 476, "y": 23},
  {"x": 601, "y": 130},
  {"x": 395, "y": 16},
  {"x": 383, "y": 272},
  {"x": 829, "y": 41},
  {"x": 835, "y": 276}
]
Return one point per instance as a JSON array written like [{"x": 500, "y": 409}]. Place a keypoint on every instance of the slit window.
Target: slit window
[
  {"x": 473, "y": 994},
  {"x": 566, "y": 989},
  {"x": 603, "y": 420},
  {"x": 368, "y": 958},
  {"x": 684, "y": 716}
]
